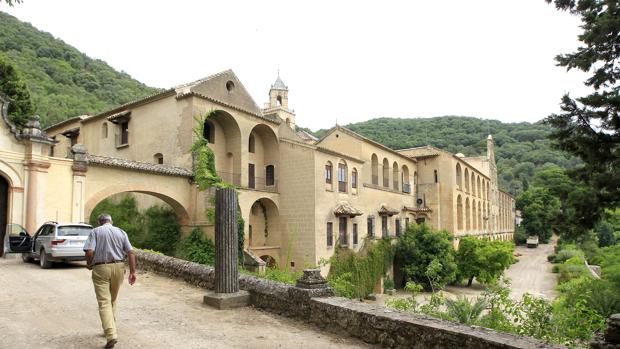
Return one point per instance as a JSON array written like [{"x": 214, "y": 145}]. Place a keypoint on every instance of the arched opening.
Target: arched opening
[
  {"x": 473, "y": 184},
  {"x": 329, "y": 175},
  {"x": 208, "y": 131},
  {"x": 466, "y": 180},
  {"x": 279, "y": 101},
  {"x": 459, "y": 213},
  {"x": 342, "y": 176},
  {"x": 479, "y": 216},
  {"x": 436, "y": 175},
  {"x": 158, "y": 158},
  {"x": 375, "y": 169},
  {"x": 467, "y": 213},
  {"x": 473, "y": 215},
  {"x": 395, "y": 176},
  {"x": 405, "y": 179},
  {"x": 478, "y": 186},
  {"x": 104, "y": 130},
  {"x": 264, "y": 155},
  {"x": 265, "y": 222},
  {"x": 386, "y": 173},
  {"x": 4, "y": 209},
  {"x": 459, "y": 179},
  {"x": 226, "y": 143},
  {"x": 354, "y": 179},
  {"x": 270, "y": 262}
]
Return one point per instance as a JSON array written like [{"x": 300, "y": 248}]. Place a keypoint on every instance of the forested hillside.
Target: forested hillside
[
  {"x": 521, "y": 148},
  {"x": 63, "y": 81}
]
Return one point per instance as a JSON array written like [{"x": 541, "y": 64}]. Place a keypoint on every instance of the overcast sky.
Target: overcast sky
[{"x": 342, "y": 61}]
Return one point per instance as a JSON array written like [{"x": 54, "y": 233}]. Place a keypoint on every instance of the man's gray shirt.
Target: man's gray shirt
[{"x": 109, "y": 244}]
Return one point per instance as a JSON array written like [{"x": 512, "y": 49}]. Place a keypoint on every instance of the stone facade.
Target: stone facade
[{"x": 291, "y": 185}]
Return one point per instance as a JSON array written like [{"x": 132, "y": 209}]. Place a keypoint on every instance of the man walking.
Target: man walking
[{"x": 106, "y": 248}]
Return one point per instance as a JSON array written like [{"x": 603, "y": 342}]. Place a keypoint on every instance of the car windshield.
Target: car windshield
[{"x": 74, "y": 231}]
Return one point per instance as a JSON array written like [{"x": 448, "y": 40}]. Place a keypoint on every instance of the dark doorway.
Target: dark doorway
[
  {"x": 4, "y": 209},
  {"x": 251, "y": 176}
]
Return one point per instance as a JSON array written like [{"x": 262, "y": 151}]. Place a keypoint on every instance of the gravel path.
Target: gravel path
[{"x": 56, "y": 308}]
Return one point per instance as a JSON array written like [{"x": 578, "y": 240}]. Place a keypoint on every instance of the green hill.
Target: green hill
[
  {"x": 521, "y": 148},
  {"x": 63, "y": 81}
]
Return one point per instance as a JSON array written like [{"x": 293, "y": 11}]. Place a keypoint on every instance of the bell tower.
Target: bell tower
[{"x": 278, "y": 103}]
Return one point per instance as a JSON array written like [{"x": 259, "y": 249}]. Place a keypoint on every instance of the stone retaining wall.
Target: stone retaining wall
[{"x": 371, "y": 323}]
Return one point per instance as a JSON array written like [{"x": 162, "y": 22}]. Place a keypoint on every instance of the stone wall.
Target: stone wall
[{"x": 370, "y": 323}]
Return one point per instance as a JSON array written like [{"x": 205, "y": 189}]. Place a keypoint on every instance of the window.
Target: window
[
  {"x": 330, "y": 234},
  {"x": 124, "y": 132},
  {"x": 384, "y": 226},
  {"x": 251, "y": 144},
  {"x": 370, "y": 226},
  {"x": 395, "y": 176},
  {"x": 354, "y": 233},
  {"x": 397, "y": 227},
  {"x": 208, "y": 132},
  {"x": 342, "y": 178},
  {"x": 343, "y": 236},
  {"x": 158, "y": 158},
  {"x": 251, "y": 176},
  {"x": 375, "y": 169},
  {"x": 104, "y": 130},
  {"x": 270, "y": 176},
  {"x": 386, "y": 173},
  {"x": 328, "y": 173},
  {"x": 459, "y": 180},
  {"x": 354, "y": 179},
  {"x": 436, "y": 177}
]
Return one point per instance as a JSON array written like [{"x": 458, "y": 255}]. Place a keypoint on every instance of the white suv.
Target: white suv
[{"x": 52, "y": 242}]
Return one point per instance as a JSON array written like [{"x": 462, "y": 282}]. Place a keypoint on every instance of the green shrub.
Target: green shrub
[
  {"x": 555, "y": 269},
  {"x": 551, "y": 258},
  {"x": 126, "y": 216},
  {"x": 286, "y": 276},
  {"x": 567, "y": 254},
  {"x": 197, "y": 248},
  {"x": 163, "y": 229}
]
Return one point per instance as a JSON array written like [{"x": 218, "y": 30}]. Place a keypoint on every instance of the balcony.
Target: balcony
[{"x": 228, "y": 177}]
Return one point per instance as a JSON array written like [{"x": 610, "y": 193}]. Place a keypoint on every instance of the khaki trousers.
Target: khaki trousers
[{"x": 107, "y": 279}]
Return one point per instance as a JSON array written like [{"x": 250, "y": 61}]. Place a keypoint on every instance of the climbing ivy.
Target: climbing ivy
[{"x": 206, "y": 176}]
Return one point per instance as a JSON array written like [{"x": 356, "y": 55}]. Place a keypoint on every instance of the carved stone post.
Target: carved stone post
[
  {"x": 227, "y": 294},
  {"x": 226, "y": 242}
]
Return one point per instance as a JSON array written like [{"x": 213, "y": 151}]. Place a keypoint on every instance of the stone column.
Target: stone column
[{"x": 226, "y": 241}]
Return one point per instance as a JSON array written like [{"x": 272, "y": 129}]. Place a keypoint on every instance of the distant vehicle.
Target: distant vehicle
[
  {"x": 532, "y": 241},
  {"x": 53, "y": 242}
]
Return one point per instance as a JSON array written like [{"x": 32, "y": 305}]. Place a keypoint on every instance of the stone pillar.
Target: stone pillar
[
  {"x": 79, "y": 167},
  {"x": 227, "y": 294},
  {"x": 226, "y": 242}
]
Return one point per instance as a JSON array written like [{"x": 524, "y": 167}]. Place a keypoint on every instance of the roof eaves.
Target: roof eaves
[
  {"x": 132, "y": 104},
  {"x": 196, "y": 94},
  {"x": 333, "y": 152},
  {"x": 362, "y": 138}
]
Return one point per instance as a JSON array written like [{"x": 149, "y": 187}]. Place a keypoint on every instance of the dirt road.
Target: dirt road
[{"x": 56, "y": 308}]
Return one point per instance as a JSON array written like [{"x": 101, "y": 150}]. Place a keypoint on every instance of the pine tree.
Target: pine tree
[
  {"x": 11, "y": 84},
  {"x": 589, "y": 126}
]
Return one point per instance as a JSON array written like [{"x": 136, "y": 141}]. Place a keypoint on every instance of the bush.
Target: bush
[
  {"x": 286, "y": 276},
  {"x": 388, "y": 283},
  {"x": 126, "y": 216},
  {"x": 197, "y": 248},
  {"x": 565, "y": 255},
  {"x": 163, "y": 229},
  {"x": 555, "y": 269},
  {"x": 573, "y": 268},
  {"x": 551, "y": 258}
]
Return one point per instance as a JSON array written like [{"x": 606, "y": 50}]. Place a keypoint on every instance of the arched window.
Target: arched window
[
  {"x": 386, "y": 173},
  {"x": 354, "y": 178},
  {"x": 459, "y": 180},
  {"x": 158, "y": 158},
  {"x": 473, "y": 184},
  {"x": 415, "y": 178},
  {"x": 104, "y": 130},
  {"x": 467, "y": 214},
  {"x": 374, "y": 163},
  {"x": 208, "y": 132},
  {"x": 436, "y": 176},
  {"x": 478, "y": 186},
  {"x": 342, "y": 176},
  {"x": 279, "y": 101},
  {"x": 459, "y": 213},
  {"x": 405, "y": 179},
  {"x": 328, "y": 172},
  {"x": 473, "y": 215},
  {"x": 252, "y": 144},
  {"x": 395, "y": 176},
  {"x": 270, "y": 175},
  {"x": 466, "y": 180},
  {"x": 479, "y": 216}
]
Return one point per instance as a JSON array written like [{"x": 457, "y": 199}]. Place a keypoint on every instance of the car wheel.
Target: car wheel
[
  {"x": 27, "y": 258},
  {"x": 45, "y": 261}
]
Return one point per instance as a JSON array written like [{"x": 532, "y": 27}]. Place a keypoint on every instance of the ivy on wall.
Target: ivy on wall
[{"x": 206, "y": 176}]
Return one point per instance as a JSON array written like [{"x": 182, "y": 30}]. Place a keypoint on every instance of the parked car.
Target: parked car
[
  {"x": 532, "y": 241},
  {"x": 53, "y": 242}
]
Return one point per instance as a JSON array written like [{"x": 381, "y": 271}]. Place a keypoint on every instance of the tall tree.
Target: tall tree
[
  {"x": 12, "y": 85},
  {"x": 589, "y": 126},
  {"x": 540, "y": 210}
]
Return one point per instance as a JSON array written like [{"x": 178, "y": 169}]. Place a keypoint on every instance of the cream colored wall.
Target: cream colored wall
[
  {"x": 12, "y": 156},
  {"x": 57, "y": 198}
]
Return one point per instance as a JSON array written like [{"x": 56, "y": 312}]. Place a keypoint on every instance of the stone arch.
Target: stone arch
[
  {"x": 11, "y": 175},
  {"x": 167, "y": 196},
  {"x": 374, "y": 164},
  {"x": 264, "y": 218},
  {"x": 459, "y": 176},
  {"x": 395, "y": 176},
  {"x": 386, "y": 173},
  {"x": 226, "y": 145},
  {"x": 266, "y": 153},
  {"x": 459, "y": 213}
]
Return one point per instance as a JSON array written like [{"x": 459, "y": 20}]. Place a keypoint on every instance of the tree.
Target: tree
[
  {"x": 589, "y": 126},
  {"x": 427, "y": 256},
  {"x": 163, "y": 229},
  {"x": 540, "y": 209},
  {"x": 12, "y": 85},
  {"x": 605, "y": 233},
  {"x": 484, "y": 260},
  {"x": 13, "y": 2}
]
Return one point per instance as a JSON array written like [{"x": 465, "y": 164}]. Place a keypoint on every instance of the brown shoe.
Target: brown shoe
[{"x": 111, "y": 343}]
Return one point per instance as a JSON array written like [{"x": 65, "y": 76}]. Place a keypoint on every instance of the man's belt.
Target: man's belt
[{"x": 112, "y": 262}]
